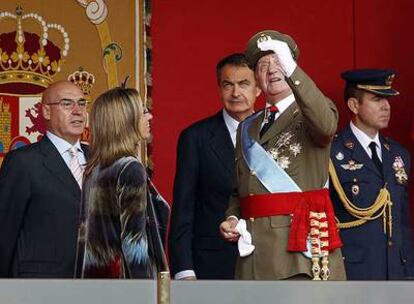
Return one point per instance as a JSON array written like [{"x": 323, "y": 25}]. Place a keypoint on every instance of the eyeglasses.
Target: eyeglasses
[{"x": 69, "y": 104}]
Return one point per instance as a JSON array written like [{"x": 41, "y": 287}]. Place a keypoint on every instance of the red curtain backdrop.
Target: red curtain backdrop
[{"x": 189, "y": 37}]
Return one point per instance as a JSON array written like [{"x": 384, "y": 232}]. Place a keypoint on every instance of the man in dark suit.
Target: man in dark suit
[
  {"x": 204, "y": 177},
  {"x": 369, "y": 177},
  {"x": 40, "y": 192}
]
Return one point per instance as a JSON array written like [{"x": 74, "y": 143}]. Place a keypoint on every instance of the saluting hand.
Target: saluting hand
[{"x": 282, "y": 51}]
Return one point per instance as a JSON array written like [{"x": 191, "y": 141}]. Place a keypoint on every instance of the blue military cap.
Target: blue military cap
[{"x": 376, "y": 81}]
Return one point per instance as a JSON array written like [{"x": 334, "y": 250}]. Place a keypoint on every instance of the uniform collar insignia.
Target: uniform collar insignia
[
  {"x": 352, "y": 165},
  {"x": 339, "y": 156},
  {"x": 349, "y": 144},
  {"x": 296, "y": 112}
]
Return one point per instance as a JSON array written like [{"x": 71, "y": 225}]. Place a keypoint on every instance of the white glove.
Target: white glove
[{"x": 282, "y": 51}]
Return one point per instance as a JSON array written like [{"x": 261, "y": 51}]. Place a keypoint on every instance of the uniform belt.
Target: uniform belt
[{"x": 305, "y": 208}]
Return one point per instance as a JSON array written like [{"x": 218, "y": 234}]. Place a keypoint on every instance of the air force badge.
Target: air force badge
[{"x": 352, "y": 166}]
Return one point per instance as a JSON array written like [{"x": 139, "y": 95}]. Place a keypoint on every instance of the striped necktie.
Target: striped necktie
[{"x": 75, "y": 166}]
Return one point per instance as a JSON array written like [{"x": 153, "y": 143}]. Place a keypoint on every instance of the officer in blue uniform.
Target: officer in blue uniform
[{"x": 368, "y": 183}]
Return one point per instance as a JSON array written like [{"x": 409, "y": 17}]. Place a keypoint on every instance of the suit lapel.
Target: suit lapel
[
  {"x": 220, "y": 142},
  {"x": 54, "y": 162},
  {"x": 358, "y": 153},
  {"x": 285, "y": 119}
]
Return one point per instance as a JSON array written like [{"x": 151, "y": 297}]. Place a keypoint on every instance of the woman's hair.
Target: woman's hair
[{"x": 114, "y": 121}]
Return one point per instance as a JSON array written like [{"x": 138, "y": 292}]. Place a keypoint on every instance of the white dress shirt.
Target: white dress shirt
[
  {"x": 231, "y": 125},
  {"x": 365, "y": 140},
  {"x": 63, "y": 148},
  {"x": 281, "y": 105}
]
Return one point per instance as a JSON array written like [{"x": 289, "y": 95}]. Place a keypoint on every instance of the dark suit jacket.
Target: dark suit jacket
[
  {"x": 369, "y": 254},
  {"x": 202, "y": 187},
  {"x": 39, "y": 213}
]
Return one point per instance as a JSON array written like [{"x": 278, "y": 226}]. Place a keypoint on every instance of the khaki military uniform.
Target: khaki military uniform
[{"x": 300, "y": 140}]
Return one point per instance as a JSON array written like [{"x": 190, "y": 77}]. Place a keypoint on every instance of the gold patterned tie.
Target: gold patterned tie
[{"x": 75, "y": 166}]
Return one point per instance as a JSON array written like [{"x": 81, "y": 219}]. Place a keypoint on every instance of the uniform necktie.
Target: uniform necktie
[
  {"x": 375, "y": 158},
  {"x": 271, "y": 114},
  {"x": 75, "y": 166}
]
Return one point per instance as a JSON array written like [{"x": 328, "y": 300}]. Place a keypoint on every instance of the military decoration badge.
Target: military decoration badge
[
  {"x": 399, "y": 171},
  {"x": 285, "y": 149},
  {"x": 352, "y": 165},
  {"x": 355, "y": 190},
  {"x": 339, "y": 156}
]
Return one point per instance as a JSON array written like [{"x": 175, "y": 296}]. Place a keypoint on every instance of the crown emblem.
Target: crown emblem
[
  {"x": 83, "y": 79},
  {"x": 264, "y": 37},
  {"x": 29, "y": 58},
  {"x": 389, "y": 79}
]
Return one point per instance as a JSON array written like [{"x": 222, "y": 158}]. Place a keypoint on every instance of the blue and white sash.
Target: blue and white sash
[{"x": 269, "y": 173}]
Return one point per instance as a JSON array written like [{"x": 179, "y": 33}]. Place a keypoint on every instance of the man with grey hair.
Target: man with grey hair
[{"x": 280, "y": 212}]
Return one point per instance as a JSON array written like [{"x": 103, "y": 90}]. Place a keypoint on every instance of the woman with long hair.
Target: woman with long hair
[{"x": 113, "y": 242}]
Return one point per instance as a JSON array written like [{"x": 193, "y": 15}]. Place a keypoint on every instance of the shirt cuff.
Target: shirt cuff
[{"x": 184, "y": 274}]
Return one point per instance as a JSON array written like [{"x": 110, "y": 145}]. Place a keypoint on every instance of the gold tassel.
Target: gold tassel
[{"x": 373, "y": 212}]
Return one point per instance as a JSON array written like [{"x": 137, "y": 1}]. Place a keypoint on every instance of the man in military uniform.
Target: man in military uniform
[
  {"x": 369, "y": 178},
  {"x": 280, "y": 203}
]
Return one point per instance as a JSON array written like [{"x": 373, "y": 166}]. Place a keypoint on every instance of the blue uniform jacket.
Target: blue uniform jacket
[{"x": 369, "y": 254}]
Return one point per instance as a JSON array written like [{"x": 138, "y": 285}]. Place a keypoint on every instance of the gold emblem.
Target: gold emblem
[
  {"x": 389, "y": 80},
  {"x": 355, "y": 189},
  {"x": 263, "y": 38},
  {"x": 387, "y": 146},
  {"x": 352, "y": 166},
  {"x": 399, "y": 171}
]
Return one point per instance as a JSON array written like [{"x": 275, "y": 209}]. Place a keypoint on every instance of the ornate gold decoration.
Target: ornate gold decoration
[
  {"x": 284, "y": 149},
  {"x": 319, "y": 245},
  {"x": 36, "y": 64},
  {"x": 382, "y": 206},
  {"x": 83, "y": 79},
  {"x": 97, "y": 11}
]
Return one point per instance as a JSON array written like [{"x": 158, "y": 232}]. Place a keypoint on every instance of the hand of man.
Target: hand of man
[
  {"x": 282, "y": 51},
  {"x": 228, "y": 230}
]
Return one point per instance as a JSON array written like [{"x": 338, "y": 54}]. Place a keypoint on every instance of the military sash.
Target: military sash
[{"x": 267, "y": 171}]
